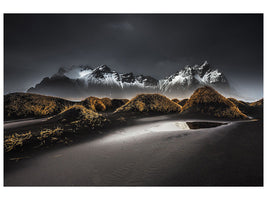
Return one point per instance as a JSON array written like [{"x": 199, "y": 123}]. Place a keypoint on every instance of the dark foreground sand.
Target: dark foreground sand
[{"x": 152, "y": 153}]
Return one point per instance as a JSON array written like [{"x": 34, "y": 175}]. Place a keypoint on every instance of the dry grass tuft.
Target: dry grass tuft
[
  {"x": 17, "y": 142},
  {"x": 14, "y": 141},
  {"x": 50, "y": 135}
]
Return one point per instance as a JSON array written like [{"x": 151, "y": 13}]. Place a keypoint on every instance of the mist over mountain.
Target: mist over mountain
[
  {"x": 83, "y": 81},
  {"x": 190, "y": 78},
  {"x": 156, "y": 45}
]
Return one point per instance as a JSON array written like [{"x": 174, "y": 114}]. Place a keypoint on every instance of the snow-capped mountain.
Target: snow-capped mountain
[
  {"x": 192, "y": 77},
  {"x": 84, "y": 81},
  {"x": 103, "y": 75}
]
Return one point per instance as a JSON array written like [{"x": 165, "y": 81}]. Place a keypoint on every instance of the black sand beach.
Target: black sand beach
[{"x": 155, "y": 151}]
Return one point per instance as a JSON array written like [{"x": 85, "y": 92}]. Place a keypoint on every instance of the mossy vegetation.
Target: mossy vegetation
[
  {"x": 154, "y": 103},
  {"x": 207, "y": 101}
]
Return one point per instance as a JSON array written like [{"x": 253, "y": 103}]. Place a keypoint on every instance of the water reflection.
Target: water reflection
[{"x": 198, "y": 125}]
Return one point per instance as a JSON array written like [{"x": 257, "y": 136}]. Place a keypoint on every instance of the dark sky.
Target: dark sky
[{"x": 157, "y": 45}]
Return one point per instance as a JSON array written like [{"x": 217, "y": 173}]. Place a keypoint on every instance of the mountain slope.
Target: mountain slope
[{"x": 206, "y": 101}]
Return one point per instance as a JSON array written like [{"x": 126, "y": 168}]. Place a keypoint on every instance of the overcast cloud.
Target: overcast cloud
[{"x": 157, "y": 45}]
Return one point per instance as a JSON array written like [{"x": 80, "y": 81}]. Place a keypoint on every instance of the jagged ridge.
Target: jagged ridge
[{"x": 84, "y": 81}]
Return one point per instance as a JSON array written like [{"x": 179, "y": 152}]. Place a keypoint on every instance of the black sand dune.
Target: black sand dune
[
  {"x": 206, "y": 101},
  {"x": 150, "y": 103},
  {"x": 207, "y": 142}
]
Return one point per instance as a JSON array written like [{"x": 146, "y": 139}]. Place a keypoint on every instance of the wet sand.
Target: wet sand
[{"x": 156, "y": 151}]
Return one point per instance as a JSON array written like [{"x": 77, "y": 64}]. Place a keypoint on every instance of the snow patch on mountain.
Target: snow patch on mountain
[
  {"x": 103, "y": 75},
  {"x": 84, "y": 80},
  {"x": 192, "y": 77}
]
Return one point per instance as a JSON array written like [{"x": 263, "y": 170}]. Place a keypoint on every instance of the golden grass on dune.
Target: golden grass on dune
[
  {"x": 252, "y": 109},
  {"x": 17, "y": 142},
  {"x": 23, "y": 105},
  {"x": 113, "y": 104},
  {"x": 244, "y": 107},
  {"x": 258, "y": 103},
  {"x": 237, "y": 102},
  {"x": 26, "y": 105},
  {"x": 94, "y": 103},
  {"x": 14, "y": 141},
  {"x": 104, "y": 104},
  {"x": 78, "y": 116},
  {"x": 107, "y": 102},
  {"x": 207, "y": 101},
  {"x": 150, "y": 103},
  {"x": 50, "y": 134}
]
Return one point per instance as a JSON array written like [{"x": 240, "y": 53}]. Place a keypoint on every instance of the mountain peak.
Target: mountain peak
[
  {"x": 205, "y": 63},
  {"x": 103, "y": 68},
  {"x": 191, "y": 77}
]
